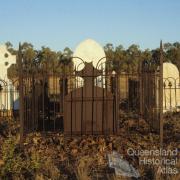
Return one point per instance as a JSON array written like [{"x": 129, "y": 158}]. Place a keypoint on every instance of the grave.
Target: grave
[
  {"x": 89, "y": 51},
  {"x": 8, "y": 92},
  {"x": 171, "y": 91},
  {"x": 90, "y": 107}
]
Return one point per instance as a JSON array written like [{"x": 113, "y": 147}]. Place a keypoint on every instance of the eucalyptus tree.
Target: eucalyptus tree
[
  {"x": 10, "y": 48},
  {"x": 109, "y": 51},
  {"x": 48, "y": 60},
  {"x": 28, "y": 54},
  {"x": 172, "y": 53},
  {"x": 133, "y": 56},
  {"x": 119, "y": 59},
  {"x": 66, "y": 61}
]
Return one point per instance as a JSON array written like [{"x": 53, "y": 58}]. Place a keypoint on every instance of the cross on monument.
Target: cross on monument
[{"x": 89, "y": 73}]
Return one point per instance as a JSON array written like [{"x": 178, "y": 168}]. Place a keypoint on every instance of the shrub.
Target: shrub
[{"x": 16, "y": 163}]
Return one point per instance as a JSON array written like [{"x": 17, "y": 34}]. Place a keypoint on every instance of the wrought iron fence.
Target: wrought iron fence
[
  {"x": 92, "y": 100},
  {"x": 9, "y": 99}
]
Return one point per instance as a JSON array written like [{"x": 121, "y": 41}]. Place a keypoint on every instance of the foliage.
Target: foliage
[
  {"x": 172, "y": 53},
  {"x": 12, "y": 72},
  {"x": 118, "y": 58},
  {"x": 43, "y": 60},
  {"x": 10, "y": 48},
  {"x": 57, "y": 157},
  {"x": 83, "y": 167},
  {"x": 129, "y": 59},
  {"x": 16, "y": 164}
]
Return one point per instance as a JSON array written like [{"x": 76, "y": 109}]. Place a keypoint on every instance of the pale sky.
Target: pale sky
[{"x": 61, "y": 23}]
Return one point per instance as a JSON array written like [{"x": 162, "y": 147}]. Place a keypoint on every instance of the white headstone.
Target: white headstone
[
  {"x": 7, "y": 98},
  {"x": 6, "y": 60},
  {"x": 89, "y": 51},
  {"x": 171, "y": 91}
]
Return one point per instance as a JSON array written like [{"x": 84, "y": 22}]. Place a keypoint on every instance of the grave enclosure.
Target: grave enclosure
[{"x": 88, "y": 98}]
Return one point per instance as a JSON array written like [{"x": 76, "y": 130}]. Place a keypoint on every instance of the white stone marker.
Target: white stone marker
[
  {"x": 89, "y": 51},
  {"x": 8, "y": 97},
  {"x": 171, "y": 91}
]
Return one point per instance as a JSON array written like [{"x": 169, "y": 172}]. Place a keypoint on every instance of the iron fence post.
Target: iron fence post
[
  {"x": 140, "y": 89},
  {"x": 21, "y": 97},
  {"x": 161, "y": 95},
  {"x": 117, "y": 102}
]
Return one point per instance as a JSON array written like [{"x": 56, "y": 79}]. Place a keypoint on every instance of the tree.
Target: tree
[
  {"x": 10, "y": 48},
  {"x": 66, "y": 56},
  {"x": 133, "y": 56},
  {"x": 119, "y": 59}
]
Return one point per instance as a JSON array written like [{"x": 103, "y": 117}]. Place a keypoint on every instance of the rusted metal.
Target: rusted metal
[
  {"x": 21, "y": 103},
  {"x": 161, "y": 96},
  {"x": 150, "y": 89},
  {"x": 93, "y": 100}
]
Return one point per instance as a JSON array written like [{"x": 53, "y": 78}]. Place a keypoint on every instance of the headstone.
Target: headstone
[
  {"x": 88, "y": 108},
  {"x": 171, "y": 91},
  {"x": 8, "y": 97},
  {"x": 89, "y": 51}
]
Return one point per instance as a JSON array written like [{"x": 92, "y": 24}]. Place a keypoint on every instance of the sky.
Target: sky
[{"x": 64, "y": 23}]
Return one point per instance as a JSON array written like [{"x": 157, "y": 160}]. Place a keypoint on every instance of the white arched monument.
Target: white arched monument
[
  {"x": 89, "y": 51},
  {"x": 7, "y": 93},
  {"x": 171, "y": 91}
]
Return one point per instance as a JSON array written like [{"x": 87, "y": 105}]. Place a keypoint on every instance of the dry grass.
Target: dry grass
[{"x": 76, "y": 158}]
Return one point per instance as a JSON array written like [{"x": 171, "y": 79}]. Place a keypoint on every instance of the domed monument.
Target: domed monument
[
  {"x": 91, "y": 52},
  {"x": 171, "y": 91}
]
